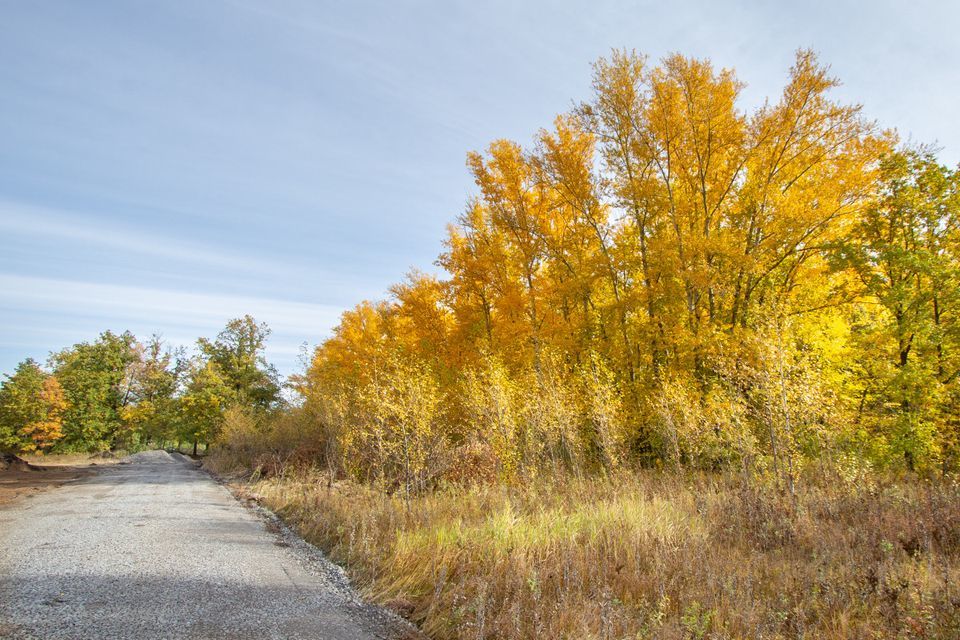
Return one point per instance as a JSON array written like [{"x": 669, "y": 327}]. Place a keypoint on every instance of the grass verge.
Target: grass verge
[{"x": 646, "y": 555}]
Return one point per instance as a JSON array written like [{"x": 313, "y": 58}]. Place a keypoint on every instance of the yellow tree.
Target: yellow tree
[
  {"x": 660, "y": 252},
  {"x": 730, "y": 218},
  {"x": 812, "y": 171},
  {"x": 676, "y": 146},
  {"x": 43, "y": 433},
  {"x": 422, "y": 322},
  {"x": 375, "y": 386},
  {"x": 516, "y": 203},
  {"x": 474, "y": 259},
  {"x": 586, "y": 236}
]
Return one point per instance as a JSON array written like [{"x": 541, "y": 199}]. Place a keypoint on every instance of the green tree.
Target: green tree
[
  {"x": 203, "y": 404},
  {"x": 237, "y": 352},
  {"x": 95, "y": 378},
  {"x": 153, "y": 380},
  {"x": 904, "y": 251}
]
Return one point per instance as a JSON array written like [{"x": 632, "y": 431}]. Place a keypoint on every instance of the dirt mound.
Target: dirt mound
[
  {"x": 149, "y": 456},
  {"x": 14, "y": 463}
]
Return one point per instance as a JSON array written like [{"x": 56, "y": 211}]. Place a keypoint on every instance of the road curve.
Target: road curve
[{"x": 157, "y": 549}]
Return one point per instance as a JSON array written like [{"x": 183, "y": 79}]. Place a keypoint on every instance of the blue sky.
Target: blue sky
[{"x": 166, "y": 166}]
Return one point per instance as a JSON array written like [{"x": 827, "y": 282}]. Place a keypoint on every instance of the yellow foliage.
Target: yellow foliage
[
  {"x": 42, "y": 434},
  {"x": 662, "y": 275}
]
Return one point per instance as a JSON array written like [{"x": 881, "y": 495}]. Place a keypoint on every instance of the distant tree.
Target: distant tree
[
  {"x": 203, "y": 404},
  {"x": 96, "y": 383},
  {"x": 237, "y": 352},
  {"x": 153, "y": 380},
  {"x": 32, "y": 405}
]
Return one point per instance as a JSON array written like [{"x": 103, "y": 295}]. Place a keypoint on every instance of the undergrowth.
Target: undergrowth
[{"x": 645, "y": 555}]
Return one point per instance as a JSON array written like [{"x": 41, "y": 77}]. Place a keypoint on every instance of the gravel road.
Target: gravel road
[{"x": 156, "y": 549}]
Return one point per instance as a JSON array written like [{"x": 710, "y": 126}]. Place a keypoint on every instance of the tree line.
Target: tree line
[{"x": 117, "y": 392}]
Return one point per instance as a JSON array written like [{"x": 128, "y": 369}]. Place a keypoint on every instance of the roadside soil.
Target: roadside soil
[{"x": 41, "y": 473}]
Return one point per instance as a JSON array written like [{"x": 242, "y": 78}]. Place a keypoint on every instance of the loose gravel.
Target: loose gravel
[{"x": 154, "y": 548}]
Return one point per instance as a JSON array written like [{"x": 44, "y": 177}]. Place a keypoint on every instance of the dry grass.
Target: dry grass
[
  {"x": 647, "y": 555},
  {"x": 71, "y": 459}
]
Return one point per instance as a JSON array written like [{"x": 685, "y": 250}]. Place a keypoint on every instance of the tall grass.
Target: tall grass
[{"x": 650, "y": 554}]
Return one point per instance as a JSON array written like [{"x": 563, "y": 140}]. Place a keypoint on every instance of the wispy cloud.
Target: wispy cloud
[
  {"x": 162, "y": 306},
  {"x": 84, "y": 229},
  {"x": 40, "y": 315}
]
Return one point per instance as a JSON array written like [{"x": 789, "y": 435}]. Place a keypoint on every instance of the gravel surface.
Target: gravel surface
[{"x": 153, "y": 548}]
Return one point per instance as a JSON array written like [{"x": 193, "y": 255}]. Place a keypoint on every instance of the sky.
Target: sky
[{"x": 168, "y": 166}]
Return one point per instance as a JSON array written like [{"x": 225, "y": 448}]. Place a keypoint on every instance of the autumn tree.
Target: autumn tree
[
  {"x": 375, "y": 384},
  {"x": 32, "y": 405}
]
